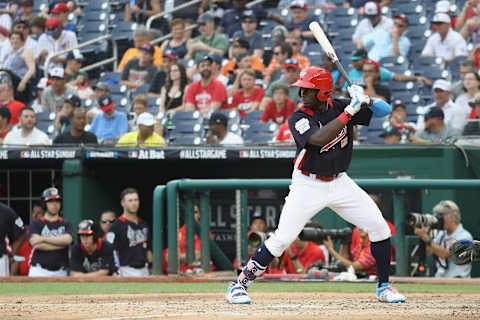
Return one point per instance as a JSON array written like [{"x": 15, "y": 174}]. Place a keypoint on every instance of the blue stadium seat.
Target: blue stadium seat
[
  {"x": 260, "y": 133},
  {"x": 454, "y": 67},
  {"x": 192, "y": 117},
  {"x": 187, "y": 128},
  {"x": 232, "y": 115},
  {"x": 122, "y": 102},
  {"x": 185, "y": 140},
  {"x": 434, "y": 73},
  {"x": 252, "y": 117},
  {"x": 401, "y": 86},
  {"x": 397, "y": 63},
  {"x": 45, "y": 116},
  {"x": 421, "y": 62}
]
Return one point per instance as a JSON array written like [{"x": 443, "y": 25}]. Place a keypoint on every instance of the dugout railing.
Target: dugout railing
[{"x": 166, "y": 203}]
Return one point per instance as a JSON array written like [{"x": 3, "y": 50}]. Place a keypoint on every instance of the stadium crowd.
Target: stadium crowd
[{"x": 223, "y": 75}]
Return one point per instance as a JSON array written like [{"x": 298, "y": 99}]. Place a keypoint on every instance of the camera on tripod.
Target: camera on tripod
[
  {"x": 432, "y": 221},
  {"x": 318, "y": 235}
]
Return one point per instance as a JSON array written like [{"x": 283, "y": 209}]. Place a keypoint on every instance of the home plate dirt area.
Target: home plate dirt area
[{"x": 206, "y": 306}]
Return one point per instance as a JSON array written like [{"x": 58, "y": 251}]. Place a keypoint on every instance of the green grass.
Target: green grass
[{"x": 129, "y": 288}]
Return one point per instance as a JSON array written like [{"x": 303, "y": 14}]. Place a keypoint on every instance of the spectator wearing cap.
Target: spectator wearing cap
[
  {"x": 141, "y": 71},
  {"x": 75, "y": 77},
  {"x": 109, "y": 125},
  {"x": 281, "y": 52},
  {"x": 54, "y": 40},
  {"x": 239, "y": 46},
  {"x": 178, "y": 44},
  {"x": 54, "y": 96},
  {"x": 62, "y": 120},
  {"x": 77, "y": 134},
  {"x": 5, "y": 116},
  {"x": 248, "y": 98},
  {"x": 244, "y": 62},
  {"x": 208, "y": 94},
  {"x": 25, "y": 11},
  {"x": 218, "y": 133},
  {"x": 397, "y": 118},
  {"x": 301, "y": 20},
  {"x": 360, "y": 56},
  {"x": 371, "y": 76},
  {"x": 61, "y": 11},
  {"x": 141, "y": 36},
  {"x": 7, "y": 98},
  {"x": 161, "y": 76},
  {"x": 20, "y": 62},
  {"x": 208, "y": 41},
  {"x": 454, "y": 115},
  {"x": 473, "y": 125},
  {"x": 291, "y": 71},
  {"x": 294, "y": 39},
  {"x": 436, "y": 130},
  {"x": 281, "y": 107},
  {"x": 37, "y": 103},
  {"x": 445, "y": 43},
  {"x": 382, "y": 44},
  {"x": 173, "y": 93},
  {"x": 391, "y": 135},
  {"x": 374, "y": 21},
  {"x": 232, "y": 18},
  {"x": 26, "y": 134},
  {"x": 249, "y": 32},
  {"x": 145, "y": 136},
  {"x": 216, "y": 60}
]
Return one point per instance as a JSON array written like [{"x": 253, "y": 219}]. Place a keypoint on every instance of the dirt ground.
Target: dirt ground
[{"x": 195, "y": 306}]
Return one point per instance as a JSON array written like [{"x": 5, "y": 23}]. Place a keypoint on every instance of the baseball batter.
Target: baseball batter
[
  {"x": 11, "y": 226},
  {"x": 50, "y": 238},
  {"x": 323, "y": 132}
]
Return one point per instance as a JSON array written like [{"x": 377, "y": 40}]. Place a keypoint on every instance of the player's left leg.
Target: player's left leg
[{"x": 354, "y": 205}]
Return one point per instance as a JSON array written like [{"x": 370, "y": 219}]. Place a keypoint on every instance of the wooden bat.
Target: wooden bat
[{"x": 327, "y": 47}]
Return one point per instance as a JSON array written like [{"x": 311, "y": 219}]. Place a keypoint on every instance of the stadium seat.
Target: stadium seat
[
  {"x": 252, "y": 117},
  {"x": 185, "y": 140},
  {"x": 187, "y": 128},
  {"x": 454, "y": 67},
  {"x": 408, "y": 9},
  {"x": 434, "y": 73},
  {"x": 400, "y": 86},
  {"x": 407, "y": 96},
  {"x": 122, "y": 102},
  {"x": 192, "y": 117},
  {"x": 425, "y": 61},
  {"x": 395, "y": 64},
  {"x": 260, "y": 133},
  {"x": 124, "y": 30},
  {"x": 232, "y": 115},
  {"x": 45, "y": 116}
]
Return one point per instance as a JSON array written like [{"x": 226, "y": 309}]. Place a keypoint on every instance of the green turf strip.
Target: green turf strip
[{"x": 112, "y": 288}]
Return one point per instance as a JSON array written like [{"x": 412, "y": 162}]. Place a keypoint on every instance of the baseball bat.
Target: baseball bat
[{"x": 327, "y": 47}]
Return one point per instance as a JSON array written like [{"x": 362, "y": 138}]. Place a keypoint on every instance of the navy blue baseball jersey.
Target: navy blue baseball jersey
[
  {"x": 131, "y": 240},
  {"x": 335, "y": 156},
  {"x": 11, "y": 226},
  {"x": 52, "y": 259},
  {"x": 100, "y": 259}
]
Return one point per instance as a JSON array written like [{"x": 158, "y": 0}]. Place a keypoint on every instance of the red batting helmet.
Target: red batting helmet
[
  {"x": 88, "y": 227},
  {"x": 50, "y": 194},
  {"x": 316, "y": 78}
]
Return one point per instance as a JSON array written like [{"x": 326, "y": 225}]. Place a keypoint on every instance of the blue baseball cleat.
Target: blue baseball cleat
[
  {"x": 237, "y": 294},
  {"x": 387, "y": 293}
]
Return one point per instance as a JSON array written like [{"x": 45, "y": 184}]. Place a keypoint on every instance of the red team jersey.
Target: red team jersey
[
  {"x": 311, "y": 254},
  {"x": 284, "y": 133},
  {"x": 278, "y": 116},
  {"x": 202, "y": 97},
  {"x": 15, "y": 107},
  {"x": 243, "y": 104}
]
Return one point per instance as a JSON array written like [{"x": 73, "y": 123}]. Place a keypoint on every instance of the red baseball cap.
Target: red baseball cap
[
  {"x": 106, "y": 103},
  {"x": 60, "y": 7},
  {"x": 52, "y": 23},
  {"x": 375, "y": 63},
  {"x": 402, "y": 17}
]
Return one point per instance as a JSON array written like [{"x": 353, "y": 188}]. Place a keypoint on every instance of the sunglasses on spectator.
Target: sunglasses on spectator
[
  {"x": 108, "y": 221},
  {"x": 51, "y": 29},
  {"x": 248, "y": 21},
  {"x": 277, "y": 53},
  {"x": 401, "y": 25},
  {"x": 295, "y": 61},
  {"x": 294, "y": 43}
]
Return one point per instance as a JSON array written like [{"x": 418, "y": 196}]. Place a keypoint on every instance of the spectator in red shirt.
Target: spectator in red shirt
[
  {"x": 248, "y": 98},
  {"x": 208, "y": 94},
  {"x": 5, "y": 116},
  {"x": 6, "y": 98},
  {"x": 300, "y": 255},
  {"x": 281, "y": 107}
]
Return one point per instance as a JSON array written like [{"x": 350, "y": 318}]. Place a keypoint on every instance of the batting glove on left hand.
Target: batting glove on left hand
[{"x": 358, "y": 100}]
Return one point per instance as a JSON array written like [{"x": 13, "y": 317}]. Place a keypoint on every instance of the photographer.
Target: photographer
[
  {"x": 301, "y": 254},
  {"x": 451, "y": 232}
]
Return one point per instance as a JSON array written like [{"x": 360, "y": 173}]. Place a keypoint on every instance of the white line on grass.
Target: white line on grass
[{"x": 188, "y": 314}]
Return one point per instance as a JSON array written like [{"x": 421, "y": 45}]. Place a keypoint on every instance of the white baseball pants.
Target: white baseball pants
[
  {"x": 4, "y": 266},
  {"x": 38, "y": 271},
  {"x": 126, "y": 271},
  {"x": 309, "y": 195}
]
